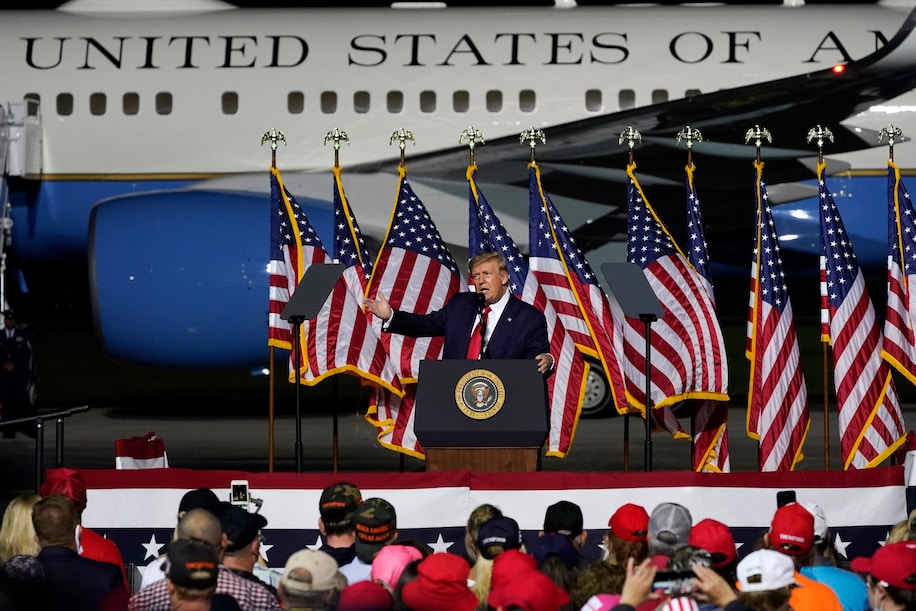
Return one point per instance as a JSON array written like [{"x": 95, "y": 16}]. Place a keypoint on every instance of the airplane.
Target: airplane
[{"x": 134, "y": 136}]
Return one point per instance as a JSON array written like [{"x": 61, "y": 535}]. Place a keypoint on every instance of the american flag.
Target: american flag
[
  {"x": 417, "y": 274},
  {"x": 777, "y": 412},
  {"x": 294, "y": 245},
  {"x": 871, "y": 423},
  {"x": 688, "y": 353},
  {"x": 710, "y": 418},
  {"x": 571, "y": 286},
  {"x": 339, "y": 339},
  {"x": 899, "y": 339},
  {"x": 566, "y": 386}
]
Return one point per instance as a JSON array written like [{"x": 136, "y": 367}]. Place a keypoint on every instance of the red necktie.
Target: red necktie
[{"x": 476, "y": 341}]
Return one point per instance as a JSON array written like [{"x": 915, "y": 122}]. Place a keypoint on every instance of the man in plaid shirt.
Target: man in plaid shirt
[{"x": 201, "y": 525}]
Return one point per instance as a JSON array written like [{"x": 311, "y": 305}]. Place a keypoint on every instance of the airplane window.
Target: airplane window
[
  {"x": 97, "y": 103},
  {"x": 295, "y": 102},
  {"x": 461, "y": 101},
  {"x": 659, "y": 96},
  {"x": 691, "y": 93},
  {"x": 593, "y": 102},
  {"x": 328, "y": 102},
  {"x": 230, "y": 103},
  {"x": 626, "y": 99},
  {"x": 361, "y": 102},
  {"x": 526, "y": 101},
  {"x": 428, "y": 101},
  {"x": 494, "y": 100},
  {"x": 395, "y": 101},
  {"x": 65, "y": 104},
  {"x": 130, "y": 103},
  {"x": 163, "y": 103}
]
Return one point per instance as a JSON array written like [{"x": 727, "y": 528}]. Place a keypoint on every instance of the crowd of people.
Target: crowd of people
[{"x": 652, "y": 560}]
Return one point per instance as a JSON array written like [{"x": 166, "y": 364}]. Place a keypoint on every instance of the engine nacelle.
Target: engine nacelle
[{"x": 179, "y": 278}]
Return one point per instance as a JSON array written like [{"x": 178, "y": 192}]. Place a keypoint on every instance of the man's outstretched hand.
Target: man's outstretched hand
[{"x": 380, "y": 307}]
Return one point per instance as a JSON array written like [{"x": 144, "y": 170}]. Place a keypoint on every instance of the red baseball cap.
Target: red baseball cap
[
  {"x": 716, "y": 538},
  {"x": 441, "y": 583},
  {"x": 529, "y": 590},
  {"x": 67, "y": 482},
  {"x": 630, "y": 522},
  {"x": 792, "y": 530},
  {"x": 894, "y": 564}
]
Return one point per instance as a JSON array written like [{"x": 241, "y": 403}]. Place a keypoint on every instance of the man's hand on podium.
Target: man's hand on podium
[
  {"x": 545, "y": 362},
  {"x": 380, "y": 307}
]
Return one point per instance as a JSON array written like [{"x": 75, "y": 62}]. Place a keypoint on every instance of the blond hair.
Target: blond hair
[{"x": 17, "y": 535}]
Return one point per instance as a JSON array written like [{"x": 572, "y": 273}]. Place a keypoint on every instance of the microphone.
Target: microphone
[{"x": 481, "y": 305}]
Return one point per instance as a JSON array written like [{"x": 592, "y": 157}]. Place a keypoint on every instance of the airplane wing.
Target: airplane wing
[{"x": 583, "y": 159}]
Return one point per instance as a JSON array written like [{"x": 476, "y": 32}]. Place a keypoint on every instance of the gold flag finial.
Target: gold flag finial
[
  {"x": 473, "y": 136},
  {"x": 530, "y": 137},
  {"x": 274, "y": 136},
  {"x": 402, "y": 136},
  {"x": 758, "y": 135},
  {"x": 335, "y": 136},
  {"x": 820, "y": 134},
  {"x": 630, "y": 135},
  {"x": 893, "y": 134},
  {"x": 690, "y": 135}
]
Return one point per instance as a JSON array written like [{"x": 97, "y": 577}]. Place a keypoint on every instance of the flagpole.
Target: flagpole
[
  {"x": 335, "y": 136},
  {"x": 401, "y": 136},
  {"x": 822, "y": 133},
  {"x": 758, "y": 134},
  {"x": 690, "y": 135},
  {"x": 630, "y": 135},
  {"x": 274, "y": 137},
  {"x": 893, "y": 134}
]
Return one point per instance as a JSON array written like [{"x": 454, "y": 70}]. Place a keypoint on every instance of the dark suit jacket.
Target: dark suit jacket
[
  {"x": 521, "y": 332},
  {"x": 76, "y": 583}
]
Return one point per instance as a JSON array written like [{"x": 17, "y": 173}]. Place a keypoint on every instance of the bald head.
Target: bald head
[{"x": 202, "y": 525}]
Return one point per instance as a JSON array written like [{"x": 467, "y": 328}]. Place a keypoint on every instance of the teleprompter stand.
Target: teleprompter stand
[
  {"x": 486, "y": 415},
  {"x": 304, "y": 304},
  {"x": 631, "y": 290}
]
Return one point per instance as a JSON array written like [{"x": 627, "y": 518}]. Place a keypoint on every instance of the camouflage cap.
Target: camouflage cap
[{"x": 338, "y": 503}]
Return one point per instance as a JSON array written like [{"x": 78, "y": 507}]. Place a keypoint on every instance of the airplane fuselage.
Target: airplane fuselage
[
  {"x": 193, "y": 93},
  {"x": 144, "y": 145}
]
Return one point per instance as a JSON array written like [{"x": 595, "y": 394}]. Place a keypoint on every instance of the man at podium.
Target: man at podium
[{"x": 490, "y": 323}]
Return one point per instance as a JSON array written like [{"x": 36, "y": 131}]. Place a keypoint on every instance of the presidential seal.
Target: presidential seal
[{"x": 480, "y": 394}]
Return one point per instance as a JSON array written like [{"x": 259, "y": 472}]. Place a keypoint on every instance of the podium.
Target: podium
[{"x": 486, "y": 415}]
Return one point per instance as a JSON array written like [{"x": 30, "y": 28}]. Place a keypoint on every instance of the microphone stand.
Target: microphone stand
[{"x": 483, "y": 324}]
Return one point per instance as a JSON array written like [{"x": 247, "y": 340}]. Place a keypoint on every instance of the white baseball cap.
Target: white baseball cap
[
  {"x": 765, "y": 569},
  {"x": 820, "y": 521}
]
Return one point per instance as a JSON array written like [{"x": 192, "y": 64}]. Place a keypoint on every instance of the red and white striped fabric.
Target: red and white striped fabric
[
  {"x": 417, "y": 274},
  {"x": 688, "y": 352},
  {"x": 871, "y": 423},
  {"x": 339, "y": 339},
  {"x": 709, "y": 419},
  {"x": 777, "y": 413},
  {"x": 394, "y": 417},
  {"x": 294, "y": 245},
  {"x": 571, "y": 286},
  {"x": 900, "y": 320},
  {"x": 566, "y": 386}
]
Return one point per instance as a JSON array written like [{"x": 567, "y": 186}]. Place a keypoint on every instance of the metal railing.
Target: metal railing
[{"x": 39, "y": 420}]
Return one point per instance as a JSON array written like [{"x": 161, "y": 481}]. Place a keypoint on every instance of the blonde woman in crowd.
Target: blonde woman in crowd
[{"x": 17, "y": 536}]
